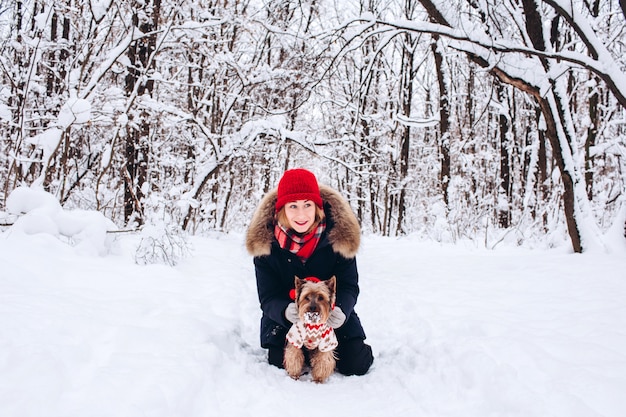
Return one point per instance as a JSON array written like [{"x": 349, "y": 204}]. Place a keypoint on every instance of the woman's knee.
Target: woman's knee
[
  {"x": 276, "y": 356},
  {"x": 354, "y": 357}
]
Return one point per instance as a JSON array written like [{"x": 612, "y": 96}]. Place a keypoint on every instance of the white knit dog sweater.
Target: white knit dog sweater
[{"x": 310, "y": 334}]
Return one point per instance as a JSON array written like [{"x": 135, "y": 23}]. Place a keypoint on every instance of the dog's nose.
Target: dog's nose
[{"x": 313, "y": 308}]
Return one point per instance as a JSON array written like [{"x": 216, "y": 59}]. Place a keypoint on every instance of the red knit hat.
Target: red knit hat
[{"x": 298, "y": 184}]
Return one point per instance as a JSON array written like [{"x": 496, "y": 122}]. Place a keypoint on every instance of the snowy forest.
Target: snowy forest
[{"x": 450, "y": 119}]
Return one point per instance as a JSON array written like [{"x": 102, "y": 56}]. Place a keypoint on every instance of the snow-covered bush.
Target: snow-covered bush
[
  {"x": 161, "y": 244},
  {"x": 39, "y": 212}
]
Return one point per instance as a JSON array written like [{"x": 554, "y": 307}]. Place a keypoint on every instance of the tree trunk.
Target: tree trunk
[
  {"x": 560, "y": 138},
  {"x": 592, "y": 130},
  {"x": 444, "y": 122},
  {"x": 406, "y": 97},
  {"x": 138, "y": 133},
  {"x": 504, "y": 206},
  {"x": 542, "y": 174}
]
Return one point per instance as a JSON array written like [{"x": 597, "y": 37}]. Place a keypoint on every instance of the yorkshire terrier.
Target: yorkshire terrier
[{"x": 315, "y": 300}]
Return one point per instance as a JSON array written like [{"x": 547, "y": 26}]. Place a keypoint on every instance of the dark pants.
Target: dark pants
[{"x": 354, "y": 357}]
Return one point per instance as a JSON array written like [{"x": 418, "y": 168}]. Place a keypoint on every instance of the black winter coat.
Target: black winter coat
[{"x": 276, "y": 268}]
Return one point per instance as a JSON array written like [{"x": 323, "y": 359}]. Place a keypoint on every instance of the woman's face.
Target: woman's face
[{"x": 300, "y": 214}]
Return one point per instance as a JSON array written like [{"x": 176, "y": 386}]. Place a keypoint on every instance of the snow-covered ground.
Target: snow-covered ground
[{"x": 456, "y": 330}]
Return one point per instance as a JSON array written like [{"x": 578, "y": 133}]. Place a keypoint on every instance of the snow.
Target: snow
[
  {"x": 75, "y": 111},
  {"x": 456, "y": 330},
  {"x": 42, "y": 214},
  {"x": 99, "y": 8},
  {"x": 48, "y": 141}
]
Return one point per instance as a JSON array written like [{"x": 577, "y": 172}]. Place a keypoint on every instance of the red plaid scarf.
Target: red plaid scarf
[{"x": 301, "y": 245}]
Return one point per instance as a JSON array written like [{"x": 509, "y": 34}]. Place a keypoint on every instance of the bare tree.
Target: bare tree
[
  {"x": 145, "y": 22},
  {"x": 504, "y": 191},
  {"x": 444, "y": 121},
  {"x": 196, "y": 108},
  {"x": 553, "y": 105}
]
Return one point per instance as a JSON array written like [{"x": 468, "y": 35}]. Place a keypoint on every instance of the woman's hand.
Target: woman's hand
[
  {"x": 291, "y": 313},
  {"x": 336, "y": 318}
]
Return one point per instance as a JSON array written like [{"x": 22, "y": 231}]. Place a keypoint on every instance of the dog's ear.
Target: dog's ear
[
  {"x": 331, "y": 283},
  {"x": 298, "y": 283}
]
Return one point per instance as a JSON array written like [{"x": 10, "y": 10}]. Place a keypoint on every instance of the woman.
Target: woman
[{"x": 302, "y": 229}]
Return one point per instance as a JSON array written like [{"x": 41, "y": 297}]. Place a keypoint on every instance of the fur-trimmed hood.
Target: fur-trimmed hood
[{"x": 344, "y": 235}]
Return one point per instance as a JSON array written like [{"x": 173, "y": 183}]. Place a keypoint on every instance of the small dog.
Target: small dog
[{"x": 315, "y": 300}]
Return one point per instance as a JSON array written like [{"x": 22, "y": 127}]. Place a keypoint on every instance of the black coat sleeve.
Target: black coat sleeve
[
  {"x": 273, "y": 296},
  {"x": 347, "y": 284}
]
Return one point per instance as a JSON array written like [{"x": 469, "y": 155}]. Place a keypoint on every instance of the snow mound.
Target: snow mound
[{"x": 39, "y": 212}]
